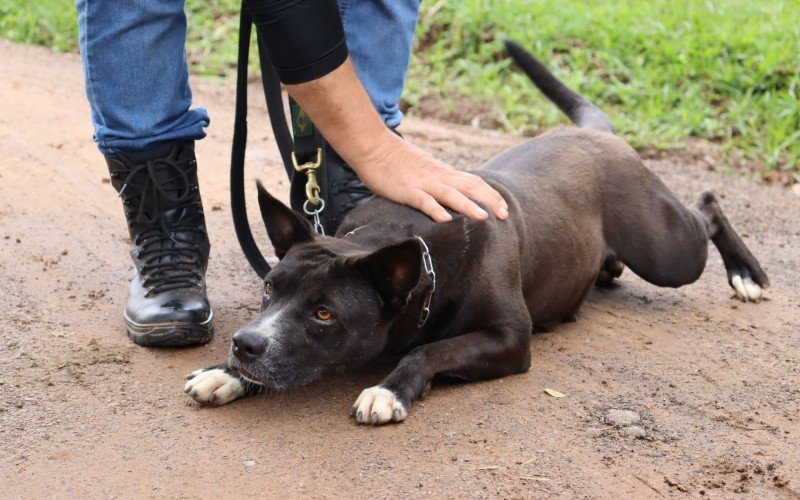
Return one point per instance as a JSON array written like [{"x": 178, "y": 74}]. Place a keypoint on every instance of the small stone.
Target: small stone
[
  {"x": 622, "y": 418},
  {"x": 633, "y": 432},
  {"x": 249, "y": 463}
]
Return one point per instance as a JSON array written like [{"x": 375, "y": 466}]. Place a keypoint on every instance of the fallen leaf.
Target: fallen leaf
[{"x": 554, "y": 393}]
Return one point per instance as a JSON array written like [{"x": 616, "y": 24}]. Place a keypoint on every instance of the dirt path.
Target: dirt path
[{"x": 715, "y": 383}]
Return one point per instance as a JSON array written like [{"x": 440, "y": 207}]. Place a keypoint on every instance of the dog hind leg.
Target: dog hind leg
[
  {"x": 745, "y": 274},
  {"x": 665, "y": 242}
]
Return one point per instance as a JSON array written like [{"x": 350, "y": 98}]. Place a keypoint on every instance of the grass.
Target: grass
[{"x": 724, "y": 71}]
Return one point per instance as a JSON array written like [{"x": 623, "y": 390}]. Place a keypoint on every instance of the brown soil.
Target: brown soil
[{"x": 83, "y": 412}]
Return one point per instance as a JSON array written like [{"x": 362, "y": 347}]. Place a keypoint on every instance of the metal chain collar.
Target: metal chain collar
[{"x": 427, "y": 262}]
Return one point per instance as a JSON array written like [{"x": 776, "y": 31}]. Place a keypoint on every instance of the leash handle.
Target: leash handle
[{"x": 238, "y": 207}]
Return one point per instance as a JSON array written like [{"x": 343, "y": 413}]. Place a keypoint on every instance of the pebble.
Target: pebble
[
  {"x": 633, "y": 432},
  {"x": 622, "y": 418},
  {"x": 249, "y": 463}
]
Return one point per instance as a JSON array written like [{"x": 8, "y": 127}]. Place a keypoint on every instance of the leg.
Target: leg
[
  {"x": 218, "y": 385},
  {"x": 136, "y": 79},
  {"x": 379, "y": 35},
  {"x": 136, "y": 74},
  {"x": 478, "y": 355},
  {"x": 666, "y": 243},
  {"x": 745, "y": 275}
]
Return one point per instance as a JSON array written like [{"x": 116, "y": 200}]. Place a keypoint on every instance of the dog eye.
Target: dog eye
[{"x": 323, "y": 314}]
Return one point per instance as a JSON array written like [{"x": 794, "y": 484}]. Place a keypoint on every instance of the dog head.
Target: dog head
[{"x": 327, "y": 305}]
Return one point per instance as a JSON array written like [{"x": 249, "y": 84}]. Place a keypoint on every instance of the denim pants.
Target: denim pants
[{"x": 137, "y": 77}]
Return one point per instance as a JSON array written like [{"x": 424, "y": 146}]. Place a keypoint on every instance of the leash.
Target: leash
[{"x": 301, "y": 154}]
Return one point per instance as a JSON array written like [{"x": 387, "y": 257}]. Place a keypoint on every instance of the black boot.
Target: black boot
[{"x": 167, "y": 302}]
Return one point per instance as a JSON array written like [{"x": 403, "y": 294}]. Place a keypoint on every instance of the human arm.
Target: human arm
[{"x": 306, "y": 43}]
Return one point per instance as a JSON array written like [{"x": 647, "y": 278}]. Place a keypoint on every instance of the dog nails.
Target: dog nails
[
  {"x": 746, "y": 289},
  {"x": 378, "y": 405},
  {"x": 214, "y": 387},
  {"x": 754, "y": 291}
]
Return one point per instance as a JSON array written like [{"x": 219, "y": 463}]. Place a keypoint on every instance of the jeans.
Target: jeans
[{"x": 137, "y": 77}]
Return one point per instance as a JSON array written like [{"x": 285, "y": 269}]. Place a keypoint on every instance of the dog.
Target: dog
[{"x": 462, "y": 298}]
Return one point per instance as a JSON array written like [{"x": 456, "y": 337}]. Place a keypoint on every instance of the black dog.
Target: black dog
[{"x": 461, "y": 298}]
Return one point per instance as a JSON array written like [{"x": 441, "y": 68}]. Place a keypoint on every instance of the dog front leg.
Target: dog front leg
[
  {"x": 218, "y": 385},
  {"x": 474, "y": 356}
]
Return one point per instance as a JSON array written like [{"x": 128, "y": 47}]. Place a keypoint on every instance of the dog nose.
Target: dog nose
[{"x": 248, "y": 345}]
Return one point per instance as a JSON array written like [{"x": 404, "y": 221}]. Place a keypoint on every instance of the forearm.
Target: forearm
[
  {"x": 343, "y": 112},
  {"x": 305, "y": 40}
]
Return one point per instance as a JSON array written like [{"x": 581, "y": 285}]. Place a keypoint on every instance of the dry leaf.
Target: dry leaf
[{"x": 554, "y": 393}]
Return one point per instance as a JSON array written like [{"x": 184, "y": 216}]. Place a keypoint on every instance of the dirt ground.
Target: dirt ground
[{"x": 714, "y": 383}]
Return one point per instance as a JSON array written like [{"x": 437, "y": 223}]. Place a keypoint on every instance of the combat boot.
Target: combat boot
[{"x": 167, "y": 301}]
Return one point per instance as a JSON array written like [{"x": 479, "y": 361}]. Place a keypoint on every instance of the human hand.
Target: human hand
[
  {"x": 401, "y": 172},
  {"x": 385, "y": 163}
]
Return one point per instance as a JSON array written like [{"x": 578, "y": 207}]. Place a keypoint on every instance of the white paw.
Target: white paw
[
  {"x": 378, "y": 405},
  {"x": 746, "y": 289},
  {"x": 213, "y": 387}
]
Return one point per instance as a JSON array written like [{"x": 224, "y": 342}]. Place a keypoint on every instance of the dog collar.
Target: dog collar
[{"x": 427, "y": 262}]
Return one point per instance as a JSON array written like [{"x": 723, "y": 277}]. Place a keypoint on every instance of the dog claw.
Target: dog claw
[
  {"x": 746, "y": 289},
  {"x": 214, "y": 387},
  {"x": 378, "y": 405}
]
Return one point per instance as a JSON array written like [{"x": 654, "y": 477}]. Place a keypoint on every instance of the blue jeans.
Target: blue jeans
[{"x": 137, "y": 77}]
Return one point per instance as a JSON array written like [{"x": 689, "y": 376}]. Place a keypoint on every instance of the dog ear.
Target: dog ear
[
  {"x": 394, "y": 271},
  {"x": 285, "y": 227}
]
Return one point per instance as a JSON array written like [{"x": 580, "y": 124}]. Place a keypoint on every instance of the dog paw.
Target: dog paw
[
  {"x": 378, "y": 405},
  {"x": 213, "y": 386},
  {"x": 746, "y": 289}
]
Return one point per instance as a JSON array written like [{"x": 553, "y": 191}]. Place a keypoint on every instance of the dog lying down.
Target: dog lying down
[{"x": 461, "y": 298}]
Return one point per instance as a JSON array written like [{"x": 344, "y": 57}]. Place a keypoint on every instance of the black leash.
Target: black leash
[{"x": 305, "y": 144}]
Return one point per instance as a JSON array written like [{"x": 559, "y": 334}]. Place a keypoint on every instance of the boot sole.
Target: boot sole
[{"x": 171, "y": 333}]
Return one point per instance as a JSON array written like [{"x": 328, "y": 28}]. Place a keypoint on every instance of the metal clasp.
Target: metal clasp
[
  {"x": 312, "y": 189},
  {"x": 310, "y": 169}
]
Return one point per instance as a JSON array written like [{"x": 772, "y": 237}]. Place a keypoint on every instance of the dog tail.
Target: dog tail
[{"x": 583, "y": 113}]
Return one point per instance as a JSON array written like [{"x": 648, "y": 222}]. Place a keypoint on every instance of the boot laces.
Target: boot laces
[{"x": 169, "y": 260}]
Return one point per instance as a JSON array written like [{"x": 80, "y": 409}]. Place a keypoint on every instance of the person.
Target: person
[{"x": 136, "y": 77}]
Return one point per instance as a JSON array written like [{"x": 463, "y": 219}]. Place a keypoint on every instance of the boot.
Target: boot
[{"x": 167, "y": 302}]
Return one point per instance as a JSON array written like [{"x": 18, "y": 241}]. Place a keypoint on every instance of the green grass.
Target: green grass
[
  {"x": 725, "y": 71},
  {"x": 43, "y": 22}
]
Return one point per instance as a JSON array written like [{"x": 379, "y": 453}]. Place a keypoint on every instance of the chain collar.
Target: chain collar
[{"x": 427, "y": 261}]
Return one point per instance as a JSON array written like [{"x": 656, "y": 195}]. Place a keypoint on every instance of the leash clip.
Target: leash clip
[{"x": 312, "y": 186}]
